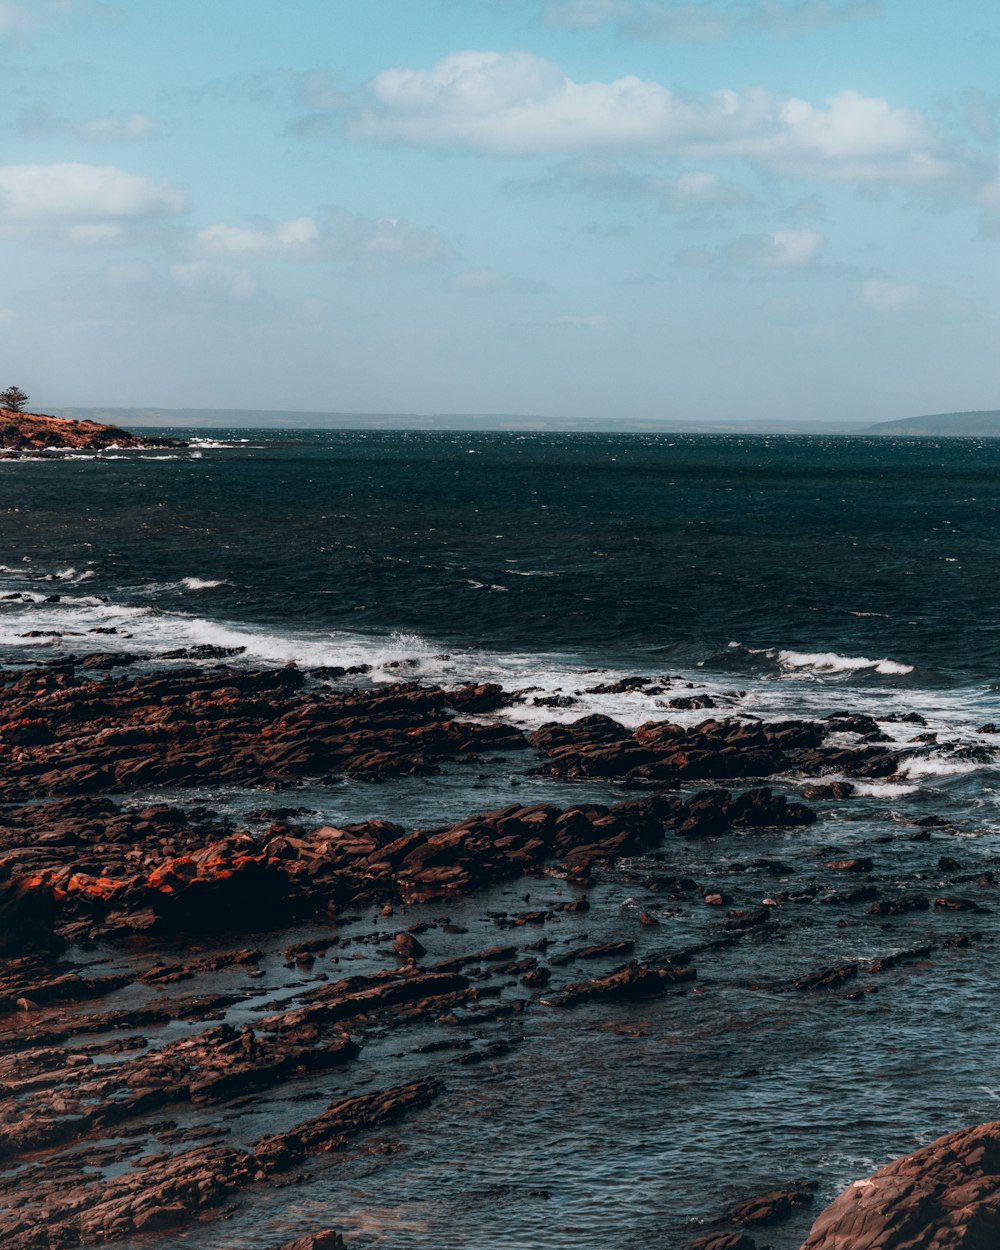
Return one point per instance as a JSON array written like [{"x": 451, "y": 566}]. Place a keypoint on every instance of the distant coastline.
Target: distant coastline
[
  {"x": 262, "y": 418},
  {"x": 980, "y": 424}
]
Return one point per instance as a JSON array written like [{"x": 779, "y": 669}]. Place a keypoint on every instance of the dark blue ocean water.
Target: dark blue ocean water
[
  {"x": 782, "y": 576},
  {"x": 659, "y": 548}
]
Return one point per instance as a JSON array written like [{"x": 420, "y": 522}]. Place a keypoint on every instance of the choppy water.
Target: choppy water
[{"x": 782, "y": 576}]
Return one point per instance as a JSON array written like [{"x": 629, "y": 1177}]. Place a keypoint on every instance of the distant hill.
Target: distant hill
[{"x": 985, "y": 424}]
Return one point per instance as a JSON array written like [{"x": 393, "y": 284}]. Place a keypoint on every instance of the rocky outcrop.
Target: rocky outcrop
[
  {"x": 34, "y": 431},
  {"x": 93, "y": 868},
  {"x": 66, "y": 732},
  {"x": 667, "y": 754},
  {"x": 945, "y": 1196}
]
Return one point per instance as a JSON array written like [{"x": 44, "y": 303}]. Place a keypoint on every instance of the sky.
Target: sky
[{"x": 655, "y": 209}]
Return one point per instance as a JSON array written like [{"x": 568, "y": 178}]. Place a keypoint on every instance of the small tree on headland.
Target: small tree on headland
[{"x": 14, "y": 398}]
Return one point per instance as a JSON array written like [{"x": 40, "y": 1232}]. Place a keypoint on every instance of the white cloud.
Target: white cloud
[
  {"x": 363, "y": 243},
  {"x": 384, "y": 242},
  {"x": 297, "y": 233},
  {"x": 884, "y": 296},
  {"x": 706, "y": 19},
  {"x": 78, "y": 204},
  {"x": 517, "y": 103},
  {"x": 776, "y": 252},
  {"x": 780, "y": 249},
  {"x": 216, "y": 281},
  {"x": 700, "y": 188},
  {"x": 115, "y": 127}
]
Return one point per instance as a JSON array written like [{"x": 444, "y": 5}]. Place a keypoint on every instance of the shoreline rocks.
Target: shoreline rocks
[{"x": 120, "y": 1006}]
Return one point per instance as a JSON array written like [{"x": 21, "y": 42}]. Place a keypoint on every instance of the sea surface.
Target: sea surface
[{"x": 779, "y": 576}]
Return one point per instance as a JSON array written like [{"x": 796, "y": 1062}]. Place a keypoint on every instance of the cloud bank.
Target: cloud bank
[{"x": 520, "y": 104}]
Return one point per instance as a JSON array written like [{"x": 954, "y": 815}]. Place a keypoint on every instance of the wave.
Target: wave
[
  {"x": 556, "y": 686},
  {"x": 824, "y": 661},
  {"x": 831, "y": 662}
]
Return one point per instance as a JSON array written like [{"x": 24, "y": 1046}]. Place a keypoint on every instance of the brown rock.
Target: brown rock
[
  {"x": 945, "y": 1196},
  {"x": 325, "y": 1240},
  {"x": 774, "y": 1206},
  {"x": 724, "y": 1241},
  {"x": 407, "y": 946}
]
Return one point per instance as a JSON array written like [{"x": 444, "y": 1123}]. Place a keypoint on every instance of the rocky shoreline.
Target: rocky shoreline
[
  {"x": 143, "y": 930},
  {"x": 33, "y": 433}
]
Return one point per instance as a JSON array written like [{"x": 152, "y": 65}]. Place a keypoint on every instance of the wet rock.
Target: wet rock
[
  {"x": 957, "y": 904},
  {"x": 635, "y": 980},
  {"x": 408, "y": 947},
  {"x": 860, "y": 864},
  {"x": 328, "y": 1239},
  {"x": 901, "y": 905},
  {"x": 885, "y": 962},
  {"x": 486, "y": 697},
  {"x": 774, "y": 1206},
  {"x": 27, "y": 917},
  {"x": 237, "y": 726},
  {"x": 724, "y": 1241},
  {"x": 829, "y": 790},
  {"x": 944, "y": 1195},
  {"x": 827, "y": 978}
]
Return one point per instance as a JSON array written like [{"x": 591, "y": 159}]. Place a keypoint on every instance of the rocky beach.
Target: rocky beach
[
  {"x": 385, "y": 945},
  {"x": 139, "y": 986}
]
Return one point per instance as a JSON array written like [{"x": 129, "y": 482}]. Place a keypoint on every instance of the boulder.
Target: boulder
[{"x": 945, "y": 1195}]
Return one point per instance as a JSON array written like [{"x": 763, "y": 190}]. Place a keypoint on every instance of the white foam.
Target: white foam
[
  {"x": 200, "y": 583},
  {"x": 883, "y": 789},
  {"x": 938, "y": 766}
]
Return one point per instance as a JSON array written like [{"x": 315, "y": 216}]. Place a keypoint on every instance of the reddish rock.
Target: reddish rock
[
  {"x": 945, "y": 1196},
  {"x": 33, "y": 431}
]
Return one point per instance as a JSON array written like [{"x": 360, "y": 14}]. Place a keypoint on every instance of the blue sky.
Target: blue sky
[{"x": 697, "y": 210}]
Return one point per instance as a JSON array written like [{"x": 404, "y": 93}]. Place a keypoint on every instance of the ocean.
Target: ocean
[{"x": 773, "y": 577}]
